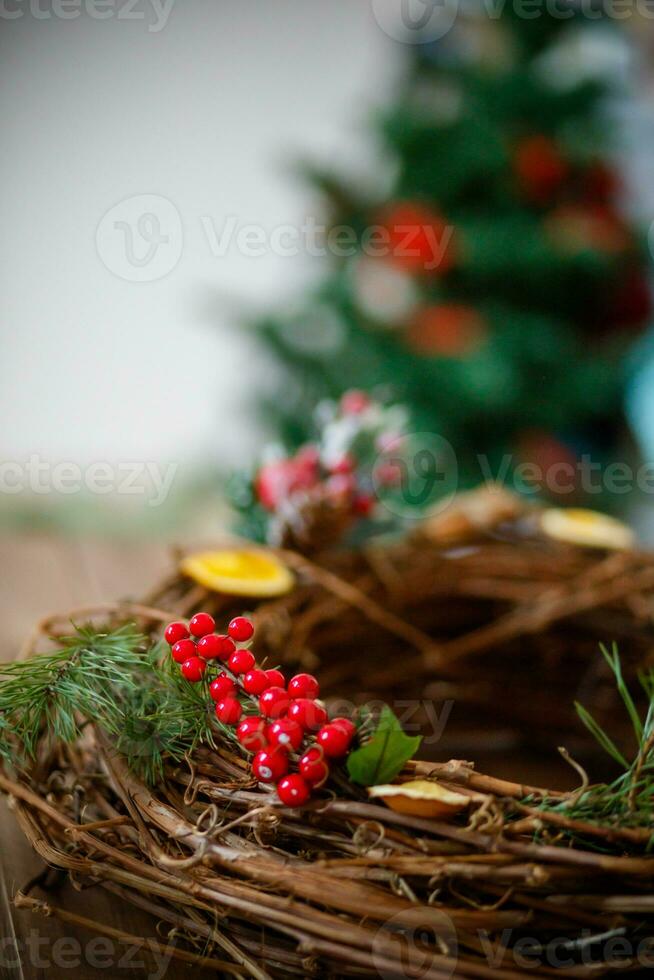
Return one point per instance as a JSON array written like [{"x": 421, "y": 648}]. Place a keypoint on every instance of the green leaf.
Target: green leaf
[{"x": 384, "y": 754}]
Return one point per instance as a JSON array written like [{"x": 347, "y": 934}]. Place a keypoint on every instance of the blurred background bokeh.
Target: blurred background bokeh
[{"x": 162, "y": 163}]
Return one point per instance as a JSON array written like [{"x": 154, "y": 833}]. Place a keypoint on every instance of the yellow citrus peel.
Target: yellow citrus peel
[
  {"x": 420, "y": 798},
  {"x": 587, "y": 528},
  {"x": 246, "y": 572}
]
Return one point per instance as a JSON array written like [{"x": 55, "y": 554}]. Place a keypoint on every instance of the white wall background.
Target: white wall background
[{"x": 209, "y": 112}]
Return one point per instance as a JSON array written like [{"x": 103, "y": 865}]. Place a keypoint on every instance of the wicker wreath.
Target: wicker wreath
[{"x": 348, "y": 886}]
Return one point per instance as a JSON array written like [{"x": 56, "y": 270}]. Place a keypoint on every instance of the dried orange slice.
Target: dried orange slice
[
  {"x": 587, "y": 528},
  {"x": 239, "y": 572},
  {"x": 420, "y": 798}
]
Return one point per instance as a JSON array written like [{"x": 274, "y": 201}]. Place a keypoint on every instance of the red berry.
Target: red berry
[
  {"x": 313, "y": 766},
  {"x": 274, "y": 702},
  {"x": 343, "y": 464},
  {"x": 309, "y": 714},
  {"x": 269, "y": 765},
  {"x": 225, "y": 646},
  {"x": 251, "y": 733},
  {"x": 193, "y": 669},
  {"x": 183, "y": 650},
  {"x": 354, "y": 402},
  {"x": 241, "y": 661},
  {"x": 175, "y": 632},
  {"x": 222, "y": 687},
  {"x": 285, "y": 732},
  {"x": 256, "y": 681},
  {"x": 293, "y": 790},
  {"x": 275, "y": 678},
  {"x": 347, "y": 725},
  {"x": 209, "y": 647},
  {"x": 229, "y": 711},
  {"x": 334, "y": 741},
  {"x": 201, "y": 624},
  {"x": 240, "y": 629},
  {"x": 303, "y": 686},
  {"x": 364, "y": 504}
]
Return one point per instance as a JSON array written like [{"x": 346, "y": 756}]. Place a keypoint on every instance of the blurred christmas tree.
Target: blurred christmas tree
[{"x": 495, "y": 284}]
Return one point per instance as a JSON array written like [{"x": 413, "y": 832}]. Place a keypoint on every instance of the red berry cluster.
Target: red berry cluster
[{"x": 291, "y": 725}]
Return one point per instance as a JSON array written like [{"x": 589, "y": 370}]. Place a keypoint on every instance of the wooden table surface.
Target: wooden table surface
[{"x": 42, "y": 574}]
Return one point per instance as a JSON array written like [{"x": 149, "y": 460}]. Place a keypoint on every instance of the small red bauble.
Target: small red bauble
[
  {"x": 285, "y": 732},
  {"x": 274, "y": 702},
  {"x": 309, "y": 714},
  {"x": 201, "y": 624},
  {"x": 222, "y": 687},
  {"x": 269, "y": 765},
  {"x": 240, "y": 629},
  {"x": 364, "y": 504},
  {"x": 293, "y": 790},
  {"x": 314, "y": 767},
  {"x": 256, "y": 681},
  {"x": 275, "y": 678},
  {"x": 345, "y": 724},
  {"x": 251, "y": 733},
  {"x": 241, "y": 661},
  {"x": 229, "y": 711},
  {"x": 210, "y": 647},
  {"x": 334, "y": 741},
  {"x": 175, "y": 632},
  {"x": 303, "y": 686},
  {"x": 183, "y": 650},
  {"x": 193, "y": 669}
]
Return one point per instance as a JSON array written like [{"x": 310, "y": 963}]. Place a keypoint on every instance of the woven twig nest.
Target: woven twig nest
[
  {"x": 346, "y": 886},
  {"x": 495, "y": 616}
]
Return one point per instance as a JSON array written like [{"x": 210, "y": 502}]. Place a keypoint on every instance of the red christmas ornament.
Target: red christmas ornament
[
  {"x": 293, "y": 790},
  {"x": 310, "y": 715},
  {"x": 286, "y": 732},
  {"x": 275, "y": 678},
  {"x": 303, "y": 686},
  {"x": 183, "y": 650},
  {"x": 314, "y": 767},
  {"x": 364, "y": 504},
  {"x": 221, "y": 687},
  {"x": 419, "y": 239},
  {"x": 269, "y": 765},
  {"x": 241, "y": 661},
  {"x": 201, "y": 624},
  {"x": 447, "y": 330},
  {"x": 251, "y": 733},
  {"x": 255, "y": 682},
  {"x": 241, "y": 629},
  {"x": 229, "y": 711},
  {"x": 334, "y": 741},
  {"x": 193, "y": 669},
  {"x": 540, "y": 168},
  {"x": 274, "y": 702},
  {"x": 175, "y": 632}
]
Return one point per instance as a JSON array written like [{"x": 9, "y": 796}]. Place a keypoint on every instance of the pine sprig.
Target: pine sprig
[
  {"x": 57, "y": 691},
  {"x": 628, "y": 801}
]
